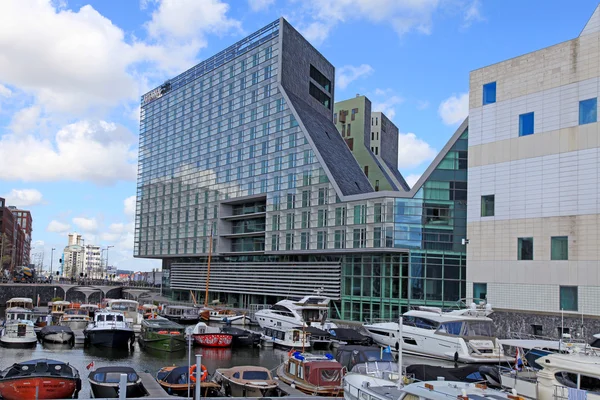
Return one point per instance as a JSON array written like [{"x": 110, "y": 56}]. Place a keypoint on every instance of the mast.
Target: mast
[
  {"x": 400, "y": 339},
  {"x": 208, "y": 267}
]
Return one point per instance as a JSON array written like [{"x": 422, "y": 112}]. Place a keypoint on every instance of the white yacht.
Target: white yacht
[
  {"x": 461, "y": 335},
  {"x": 288, "y": 338},
  {"x": 130, "y": 308},
  {"x": 287, "y": 314},
  {"x": 109, "y": 329},
  {"x": 18, "y": 328},
  {"x": 360, "y": 387},
  {"x": 563, "y": 376}
]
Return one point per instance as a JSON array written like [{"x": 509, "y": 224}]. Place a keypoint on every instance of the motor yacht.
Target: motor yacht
[
  {"x": 129, "y": 308},
  {"x": 294, "y": 338},
  {"x": 109, "y": 329},
  {"x": 461, "y": 335},
  {"x": 307, "y": 311},
  {"x": 18, "y": 329}
]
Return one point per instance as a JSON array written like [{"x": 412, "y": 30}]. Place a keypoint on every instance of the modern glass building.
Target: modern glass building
[{"x": 240, "y": 160}]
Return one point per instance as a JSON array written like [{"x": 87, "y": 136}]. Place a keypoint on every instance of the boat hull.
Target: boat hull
[
  {"x": 213, "y": 340},
  {"x": 307, "y": 387},
  {"x": 110, "y": 338},
  {"x": 111, "y": 391},
  {"x": 18, "y": 343},
  {"x": 58, "y": 337},
  {"x": 169, "y": 343},
  {"x": 47, "y": 387}
]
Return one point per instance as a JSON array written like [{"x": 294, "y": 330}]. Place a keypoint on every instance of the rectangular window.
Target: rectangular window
[
  {"x": 321, "y": 218},
  {"x": 320, "y": 79},
  {"x": 289, "y": 241},
  {"x": 526, "y": 122},
  {"x": 289, "y": 221},
  {"x": 340, "y": 216},
  {"x": 321, "y": 240},
  {"x": 588, "y": 111},
  {"x": 323, "y": 196},
  {"x": 358, "y": 240},
  {"x": 479, "y": 291},
  {"x": 377, "y": 211},
  {"x": 359, "y": 215},
  {"x": 304, "y": 241},
  {"x": 305, "y": 198},
  {"x": 377, "y": 237},
  {"x": 525, "y": 248},
  {"x": 559, "y": 248},
  {"x": 487, "y": 205},
  {"x": 319, "y": 95},
  {"x": 489, "y": 93},
  {"x": 291, "y": 199},
  {"x": 274, "y": 242},
  {"x": 339, "y": 239},
  {"x": 568, "y": 298},
  {"x": 275, "y": 223},
  {"x": 305, "y": 220}
]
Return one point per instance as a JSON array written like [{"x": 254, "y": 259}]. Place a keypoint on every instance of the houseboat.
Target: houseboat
[
  {"x": 162, "y": 334},
  {"x": 315, "y": 375},
  {"x": 181, "y": 314}
]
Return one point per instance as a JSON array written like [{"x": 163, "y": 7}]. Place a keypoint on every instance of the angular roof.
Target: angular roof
[{"x": 593, "y": 24}]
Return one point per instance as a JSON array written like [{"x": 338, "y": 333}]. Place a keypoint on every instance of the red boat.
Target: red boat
[
  {"x": 207, "y": 336},
  {"x": 51, "y": 379}
]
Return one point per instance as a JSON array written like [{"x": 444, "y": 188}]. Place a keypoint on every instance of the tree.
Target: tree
[{"x": 6, "y": 250}]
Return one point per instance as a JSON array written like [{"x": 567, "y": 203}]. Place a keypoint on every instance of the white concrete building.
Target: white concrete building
[
  {"x": 92, "y": 261},
  {"x": 534, "y": 194}
]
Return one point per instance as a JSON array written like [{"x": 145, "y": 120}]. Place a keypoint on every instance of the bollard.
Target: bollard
[
  {"x": 198, "y": 392},
  {"x": 123, "y": 387}
]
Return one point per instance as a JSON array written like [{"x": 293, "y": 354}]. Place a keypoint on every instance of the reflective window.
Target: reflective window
[
  {"x": 588, "y": 111},
  {"x": 487, "y": 205},
  {"x": 489, "y": 93},
  {"x": 526, "y": 122},
  {"x": 525, "y": 248},
  {"x": 568, "y": 298},
  {"x": 559, "y": 248}
]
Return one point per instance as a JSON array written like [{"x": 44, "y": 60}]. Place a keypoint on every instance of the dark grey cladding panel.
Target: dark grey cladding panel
[
  {"x": 329, "y": 143},
  {"x": 297, "y": 54},
  {"x": 389, "y": 143},
  {"x": 398, "y": 175},
  {"x": 367, "y": 123}
]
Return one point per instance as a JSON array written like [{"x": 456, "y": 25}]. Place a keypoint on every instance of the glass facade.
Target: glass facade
[{"x": 224, "y": 166}]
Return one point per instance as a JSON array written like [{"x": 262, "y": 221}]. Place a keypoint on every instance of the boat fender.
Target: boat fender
[
  {"x": 162, "y": 332},
  {"x": 456, "y": 356},
  {"x": 173, "y": 333},
  {"x": 193, "y": 373},
  {"x": 397, "y": 346}
]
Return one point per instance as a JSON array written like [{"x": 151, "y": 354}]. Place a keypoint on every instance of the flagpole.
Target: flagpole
[{"x": 400, "y": 339}]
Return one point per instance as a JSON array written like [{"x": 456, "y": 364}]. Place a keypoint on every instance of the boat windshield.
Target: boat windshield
[
  {"x": 123, "y": 307},
  {"x": 114, "y": 377},
  {"x": 330, "y": 376},
  {"x": 467, "y": 328},
  {"x": 252, "y": 375}
]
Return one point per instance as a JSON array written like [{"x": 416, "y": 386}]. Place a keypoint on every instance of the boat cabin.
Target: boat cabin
[
  {"x": 21, "y": 302},
  {"x": 317, "y": 370},
  {"x": 89, "y": 308},
  {"x": 18, "y": 314},
  {"x": 152, "y": 327},
  {"x": 122, "y": 305},
  {"x": 297, "y": 336},
  {"x": 350, "y": 356},
  {"x": 181, "y": 312},
  {"x": 452, "y": 326},
  {"x": 108, "y": 317},
  {"x": 59, "y": 307}
]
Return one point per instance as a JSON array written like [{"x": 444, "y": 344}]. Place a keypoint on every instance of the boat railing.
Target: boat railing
[
  {"x": 254, "y": 308},
  {"x": 562, "y": 393}
]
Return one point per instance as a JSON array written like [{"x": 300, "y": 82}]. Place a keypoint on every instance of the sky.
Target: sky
[{"x": 72, "y": 73}]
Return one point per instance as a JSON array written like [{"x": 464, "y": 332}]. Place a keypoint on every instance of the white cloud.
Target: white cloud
[
  {"x": 387, "y": 106},
  {"x": 454, "y": 109},
  {"x": 58, "y": 227},
  {"x": 23, "y": 197},
  {"x": 472, "y": 13},
  {"x": 87, "y": 225},
  {"x": 349, "y": 73},
  {"x": 413, "y": 151},
  {"x": 25, "y": 120},
  {"x": 315, "y": 32},
  {"x": 259, "y": 5},
  {"x": 4, "y": 91},
  {"x": 129, "y": 204},
  {"x": 101, "y": 152},
  {"x": 412, "y": 179}
]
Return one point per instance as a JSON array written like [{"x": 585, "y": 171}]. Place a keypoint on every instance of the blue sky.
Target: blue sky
[{"x": 72, "y": 72}]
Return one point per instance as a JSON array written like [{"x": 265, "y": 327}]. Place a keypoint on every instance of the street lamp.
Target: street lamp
[
  {"x": 107, "y": 247},
  {"x": 51, "y": 260}
]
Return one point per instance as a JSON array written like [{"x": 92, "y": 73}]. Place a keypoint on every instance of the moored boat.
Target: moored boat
[
  {"x": 181, "y": 314},
  {"x": 350, "y": 356},
  {"x": 57, "y": 334},
  {"x": 208, "y": 336},
  {"x": 39, "y": 379},
  {"x": 90, "y": 308},
  {"x": 75, "y": 318},
  {"x": 104, "y": 382},
  {"x": 58, "y": 309},
  {"x": 18, "y": 329},
  {"x": 20, "y": 302},
  {"x": 162, "y": 334},
  {"x": 129, "y": 308},
  {"x": 316, "y": 375},
  {"x": 241, "y": 337},
  {"x": 288, "y": 339},
  {"x": 247, "y": 381},
  {"x": 175, "y": 381},
  {"x": 149, "y": 311},
  {"x": 109, "y": 329}
]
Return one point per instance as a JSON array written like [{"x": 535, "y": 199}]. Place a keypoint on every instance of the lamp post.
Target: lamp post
[
  {"x": 51, "y": 260},
  {"x": 107, "y": 247}
]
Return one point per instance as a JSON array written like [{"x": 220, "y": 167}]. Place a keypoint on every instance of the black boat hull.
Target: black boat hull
[
  {"x": 110, "y": 338},
  {"x": 111, "y": 391}
]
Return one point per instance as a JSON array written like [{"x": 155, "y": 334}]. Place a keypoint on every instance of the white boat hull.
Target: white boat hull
[
  {"x": 24, "y": 341},
  {"x": 284, "y": 323}
]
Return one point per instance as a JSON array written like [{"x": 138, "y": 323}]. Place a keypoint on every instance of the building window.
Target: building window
[
  {"x": 304, "y": 241},
  {"x": 339, "y": 239},
  {"x": 359, "y": 215},
  {"x": 320, "y": 79},
  {"x": 321, "y": 240},
  {"x": 291, "y": 200},
  {"x": 489, "y": 93},
  {"x": 359, "y": 238},
  {"x": 274, "y": 242},
  {"x": 275, "y": 223},
  {"x": 377, "y": 236},
  {"x": 487, "y": 205},
  {"x": 289, "y": 221},
  {"x": 350, "y": 143},
  {"x": 321, "y": 218},
  {"x": 525, "y": 248},
  {"x": 319, "y": 95},
  {"x": 289, "y": 241},
  {"x": 559, "y": 248},
  {"x": 323, "y": 194},
  {"x": 588, "y": 110},
  {"x": 377, "y": 212},
  {"x": 568, "y": 298},
  {"x": 354, "y": 112},
  {"x": 526, "y": 124},
  {"x": 340, "y": 216},
  {"x": 305, "y": 220},
  {"x": 479, "y": 291},
  {"x": 306, "y": 198},
  {"x": 367, "y": 171}
]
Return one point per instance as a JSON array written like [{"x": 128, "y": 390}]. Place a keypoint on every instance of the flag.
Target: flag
[
  {"x": 90, "y": 365},
  {"x": 518, "y": 360},
  {"x": 388, "y": 349}
]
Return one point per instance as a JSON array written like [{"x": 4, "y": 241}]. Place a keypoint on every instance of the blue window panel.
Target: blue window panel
[
  {"x": 489, "y": 93},
  {"x": 588, "y": 111},
  {"x": 526, "y": 122}
]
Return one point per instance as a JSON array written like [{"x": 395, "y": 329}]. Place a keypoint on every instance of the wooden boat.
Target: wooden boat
[
  {"x": 57, "y": 334},
  {"x": 175, "y": 381},
  {"x": 316, "y": 375},
  {"x": 181, "y": 314},
  {"x": 58, "y": 309},
  {"x": 247, "y": 381},
  {"x": 228, "y": 317},
  {"x": 104, "y": 382},
  {"x": 75, "y": 318},
  {"x": 18, "y": 329},
  {"x": 162, "y": 334},
  {"x": 41, "y": 379},
  {"x": 208, "y": 336}
]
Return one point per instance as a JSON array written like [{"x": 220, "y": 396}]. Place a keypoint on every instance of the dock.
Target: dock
[
  {"x": 155, "y": 391},
  {"x": 79, "y": 337},
  {"x": 293, "y": 392}
]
